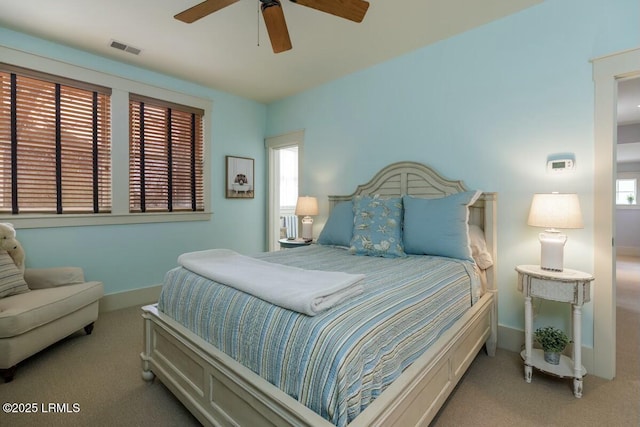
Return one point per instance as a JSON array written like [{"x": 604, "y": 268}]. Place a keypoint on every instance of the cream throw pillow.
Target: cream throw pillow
[{"x": 11, "y": 279}]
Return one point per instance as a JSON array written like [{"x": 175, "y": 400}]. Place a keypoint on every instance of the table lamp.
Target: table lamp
[
  {"x": 554, "y": 211},
  {"x": 307, "y": 206}
]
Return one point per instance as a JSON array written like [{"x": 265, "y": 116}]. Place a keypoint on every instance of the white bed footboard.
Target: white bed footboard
[
  {"x": 215, "y": 388},
  {"x": 219, "y": 391}
]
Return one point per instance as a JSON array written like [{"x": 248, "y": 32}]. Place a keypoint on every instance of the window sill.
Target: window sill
[
  {"x": 627, "y": 207},
  {"x": 79, "y": 220}
]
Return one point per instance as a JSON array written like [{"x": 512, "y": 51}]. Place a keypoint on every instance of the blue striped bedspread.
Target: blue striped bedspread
[{"x": 337, "y": 362}]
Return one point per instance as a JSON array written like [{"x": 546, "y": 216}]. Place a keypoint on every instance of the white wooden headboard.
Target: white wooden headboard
[{"x": 418, "y": 180}]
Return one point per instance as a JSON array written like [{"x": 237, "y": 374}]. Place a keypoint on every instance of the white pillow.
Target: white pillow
[{"x": 479, "y": 250}]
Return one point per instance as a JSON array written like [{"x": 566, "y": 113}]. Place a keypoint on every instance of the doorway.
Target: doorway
[
  {"x": 285, "y": 165},
  {"x": 627, "y": 217},
  {"x": 627, "y": 221},
  {"x": 607, "y": 71}
]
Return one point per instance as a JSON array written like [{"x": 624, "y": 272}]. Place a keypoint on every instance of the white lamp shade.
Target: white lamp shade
[
  {"x": 307, "y": 206},
  {"x": 555, "y": 210}
]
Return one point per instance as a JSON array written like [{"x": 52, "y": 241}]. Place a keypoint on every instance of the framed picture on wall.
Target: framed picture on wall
[{"x": 240, "y": 182}]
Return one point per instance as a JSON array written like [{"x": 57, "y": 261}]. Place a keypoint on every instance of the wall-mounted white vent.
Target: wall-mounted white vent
[{"x": 122, "y": 46}]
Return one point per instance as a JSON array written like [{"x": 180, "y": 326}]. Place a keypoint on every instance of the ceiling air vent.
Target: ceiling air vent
[{"x": 121, "y": 46}]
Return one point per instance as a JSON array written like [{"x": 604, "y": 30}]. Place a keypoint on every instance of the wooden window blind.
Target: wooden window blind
[
  {"x": 165, "y": 155},
  {"x": 55, "y": 144}
]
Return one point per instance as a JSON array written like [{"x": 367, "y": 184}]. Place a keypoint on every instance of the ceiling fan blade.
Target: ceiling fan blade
[
  {"x": 276, "y": 26},
  {"x": 202, "y": 9},
  {"x": 353, "y": 10}
]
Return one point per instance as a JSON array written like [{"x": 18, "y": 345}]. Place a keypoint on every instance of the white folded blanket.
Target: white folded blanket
[{"x": 306, "y": 291}]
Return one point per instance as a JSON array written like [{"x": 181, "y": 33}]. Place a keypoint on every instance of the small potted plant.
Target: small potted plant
[
  {"x": 553, "y": 342},
  {"x": 630, "y": 199}
]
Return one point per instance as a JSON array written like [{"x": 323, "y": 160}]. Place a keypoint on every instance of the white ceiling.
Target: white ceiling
[
  {"x": 229, "y": 50},
  {"x": 221, "y": 50},
  {"x": 627, "y": 153}
]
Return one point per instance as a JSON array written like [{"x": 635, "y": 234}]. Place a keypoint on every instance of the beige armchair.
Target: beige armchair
[{"x": 58, "y": 304}]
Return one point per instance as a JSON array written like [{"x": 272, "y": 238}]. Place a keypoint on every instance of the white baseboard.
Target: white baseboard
[
  {"x": 513, "y": 340},
  {"x": 628, "y": 250},
  {"x": 510, "y": 339},
  {"x": 139, "y": 297}
]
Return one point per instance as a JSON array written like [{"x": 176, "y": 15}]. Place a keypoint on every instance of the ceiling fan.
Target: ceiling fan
[{"x": 353, "y": 10}]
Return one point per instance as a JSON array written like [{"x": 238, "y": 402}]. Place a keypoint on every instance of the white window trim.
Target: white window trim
[
  {"x": 629, "y": 175},
  {"x": 119, "y": 146},
  {"x": 271, "y": 144}
]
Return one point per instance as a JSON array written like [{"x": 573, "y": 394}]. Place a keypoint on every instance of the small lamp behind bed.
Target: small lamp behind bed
[
  {"x": 553, "y": 211},
  {"x": 307, "y": 206}
]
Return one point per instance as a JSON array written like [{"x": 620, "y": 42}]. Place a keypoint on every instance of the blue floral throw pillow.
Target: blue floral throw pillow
[{"x": 377, "y": 227}]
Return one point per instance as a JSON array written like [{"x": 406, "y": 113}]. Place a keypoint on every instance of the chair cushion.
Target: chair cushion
[
  {"x": 40, "y": 278},
  {"x": 23, "y": 312}
]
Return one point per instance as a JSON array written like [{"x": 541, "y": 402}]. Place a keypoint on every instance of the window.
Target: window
[
  {"x": 75, "y": 171},
  {"x": 288, "y": 178},
  {"x": 626, "y": 191},
  {"x": 165, "y": 156},
  {"x": 55, "y": 144}
]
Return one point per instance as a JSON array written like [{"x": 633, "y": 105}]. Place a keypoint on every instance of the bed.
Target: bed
[{"x": 219, "y": 390}]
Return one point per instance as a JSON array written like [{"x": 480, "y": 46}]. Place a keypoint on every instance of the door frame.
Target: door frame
[
  {"x": 607, "y": 71},
  {"x": 272, "y": 144}
]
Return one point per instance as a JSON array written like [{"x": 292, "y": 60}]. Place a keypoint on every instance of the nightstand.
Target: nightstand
[
  {"x": 570, "y": 286},
  {"x": 286, "y": 243}
]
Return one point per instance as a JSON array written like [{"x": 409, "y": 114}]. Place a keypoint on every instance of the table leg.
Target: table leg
[
  {"x": 528, "y": 338},
  {"x": 577, "y": 350}
]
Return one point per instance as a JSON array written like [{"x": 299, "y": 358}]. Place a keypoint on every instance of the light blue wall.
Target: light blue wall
[
  {"x": 127, "y": 257},
  {"x": 488, "y": 107}
]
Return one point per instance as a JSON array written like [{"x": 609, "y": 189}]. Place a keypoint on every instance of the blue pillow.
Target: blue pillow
[
  {"x": 377, "y": 227},
  {"x": 339, "y": 227},
  {"x": 438, "y": 226}
]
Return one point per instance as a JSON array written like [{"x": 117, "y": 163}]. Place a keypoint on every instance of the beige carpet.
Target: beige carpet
[
  {"x": 494, "y": 393},
  {"x": 628, "y": 283},
  {"x": 101, "y": 374}
]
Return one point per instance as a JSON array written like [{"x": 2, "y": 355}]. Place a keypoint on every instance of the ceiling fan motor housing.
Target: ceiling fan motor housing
[{"x": 269, "y": 3}]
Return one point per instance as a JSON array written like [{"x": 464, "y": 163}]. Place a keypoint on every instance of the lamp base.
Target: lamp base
[
  {"x": 307, "y": 228},
  {"x": 552, "y": 250}
]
